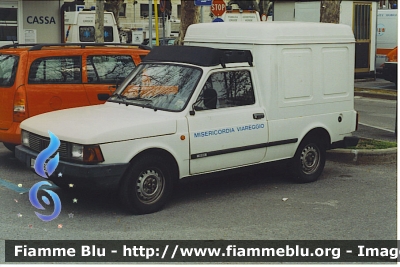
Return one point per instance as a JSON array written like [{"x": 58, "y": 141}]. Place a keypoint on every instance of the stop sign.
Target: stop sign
[{"x": 218, "y": 7}]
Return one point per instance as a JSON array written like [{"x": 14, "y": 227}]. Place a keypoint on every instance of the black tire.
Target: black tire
[
  {"x": 10, "y": 147},
  {"x": 309, "y": 160},
  {"x": 146, "y": 185}
]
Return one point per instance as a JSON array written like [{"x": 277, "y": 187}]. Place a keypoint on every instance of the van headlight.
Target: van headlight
[
  {"x": 25, "y": 138},
  {"x": 86, "y": 153}
]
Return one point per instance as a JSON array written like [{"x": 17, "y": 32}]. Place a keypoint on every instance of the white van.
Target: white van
[
  {"x": 80, "y": 27},
  {"x": 237, "y": 94},
  {"x": 387, "y": 34},
  {"x": 237, "y": 15}
]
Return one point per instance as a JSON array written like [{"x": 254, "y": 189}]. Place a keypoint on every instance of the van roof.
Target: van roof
[
  {"x": 277, "y": 32},
  {"x": 54, "y": 46},
  {"x": 202, "y": 56}
]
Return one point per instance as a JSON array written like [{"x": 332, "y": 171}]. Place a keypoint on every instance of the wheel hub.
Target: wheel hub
[
  {"x": 310, "y": 159},
  {"x": 150, "y": 186}
]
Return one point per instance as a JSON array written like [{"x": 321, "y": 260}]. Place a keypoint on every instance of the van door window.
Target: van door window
[
  {"x": 86, "y": 34},
  {"x": 109, "y": 69},
  {"x": 226, "y": 89},
  {"x": 55, "y": 70},
  {"x": 8, "y": 69}
]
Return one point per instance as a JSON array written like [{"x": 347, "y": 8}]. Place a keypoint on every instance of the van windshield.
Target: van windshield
[
  {"x": 8, "y": 69},
  {"x": 159, "y": 86}
]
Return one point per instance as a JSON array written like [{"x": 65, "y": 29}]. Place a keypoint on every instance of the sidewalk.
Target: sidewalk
[
  {"x": 374, "y": 84},
  {"x": 378, "y": 88}
]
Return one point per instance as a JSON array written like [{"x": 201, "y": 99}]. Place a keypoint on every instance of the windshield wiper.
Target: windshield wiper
[
  {"x": 139, "y": 99},
  {"x": 124, "y": 99},
  {"x": 120, "y": 97}
]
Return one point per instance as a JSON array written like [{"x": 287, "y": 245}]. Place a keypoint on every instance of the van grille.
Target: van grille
[{"x": 38, "y": 143}]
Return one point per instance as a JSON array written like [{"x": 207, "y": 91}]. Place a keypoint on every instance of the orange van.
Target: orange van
[{"x": 40, "y": 78}]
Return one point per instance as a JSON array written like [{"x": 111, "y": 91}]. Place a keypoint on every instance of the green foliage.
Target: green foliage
[{"x": 373, "y": 144}]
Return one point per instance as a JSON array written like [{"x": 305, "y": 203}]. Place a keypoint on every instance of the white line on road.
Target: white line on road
[{"x": 376, "y": 127}]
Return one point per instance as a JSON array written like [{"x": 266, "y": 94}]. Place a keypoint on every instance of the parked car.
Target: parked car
[
  {"x": 39, "y": 78},
  {"x": 389, "y": 71},
  {"x": 163, "y": 41}
]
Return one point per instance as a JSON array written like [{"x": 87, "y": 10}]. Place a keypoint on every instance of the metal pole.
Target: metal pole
[
  {"x": 134, "y": 11},
  {"x": 156, "y": 22},
  {"x": 150, "y": 24},
  {"x": 201, "y": 14},
  {"x": 163, "y": 25}
]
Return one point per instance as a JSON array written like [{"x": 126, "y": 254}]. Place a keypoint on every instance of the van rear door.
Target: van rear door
[{"x": 8, "y": 74}]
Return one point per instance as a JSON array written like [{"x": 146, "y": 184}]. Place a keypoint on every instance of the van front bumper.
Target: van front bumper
[
  {"x": 81, "y": 175},
  {"x": 12, "y": 134}
]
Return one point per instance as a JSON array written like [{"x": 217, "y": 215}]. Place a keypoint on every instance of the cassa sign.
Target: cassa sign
[{"x": 218, "y": 7}]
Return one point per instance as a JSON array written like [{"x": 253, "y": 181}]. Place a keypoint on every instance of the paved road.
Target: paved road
[
  {"x": 348, "y": 202},
  {"x": 377, "y": 118}
]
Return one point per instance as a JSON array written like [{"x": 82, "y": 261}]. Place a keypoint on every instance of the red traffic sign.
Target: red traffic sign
[{"x": 218, "y": 7}]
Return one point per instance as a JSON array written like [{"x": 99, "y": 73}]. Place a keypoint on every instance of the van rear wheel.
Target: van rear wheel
[
  {"x": 147, "y": 185},
  {"x": 309, "y": 160}
]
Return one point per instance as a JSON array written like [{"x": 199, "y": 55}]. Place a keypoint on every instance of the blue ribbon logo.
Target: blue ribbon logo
[
  {"x": 36, "y": 204},
  {"x": 44, "y": 167}
]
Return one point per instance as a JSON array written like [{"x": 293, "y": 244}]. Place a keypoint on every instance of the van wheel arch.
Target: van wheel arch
[
  {"x": 167, "y": 156},
  {"x": 148, "y": 182},
  {"x": 320, "y": 134},
  {"x": 309, "y": 159}
]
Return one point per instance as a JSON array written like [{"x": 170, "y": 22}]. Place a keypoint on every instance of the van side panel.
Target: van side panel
[
  {"x": 302, "y": 87},
  {"x": 335, "y": 77},
  {"x": 296, "y": 79},
  {"x": 314, "y": 88}
]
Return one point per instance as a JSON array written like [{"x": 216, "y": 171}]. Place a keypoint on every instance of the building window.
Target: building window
[
  {"x": 144, "y": 10},
  {"x": 122, "y": 10},
  {"x": 178, "y": 10},
  {"x": 8, "y": 24}
]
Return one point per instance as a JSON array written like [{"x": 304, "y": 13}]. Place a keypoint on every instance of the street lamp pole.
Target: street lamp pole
[
  {"x": 150, "y": 24},
  {"x": 134, "y": 11}
]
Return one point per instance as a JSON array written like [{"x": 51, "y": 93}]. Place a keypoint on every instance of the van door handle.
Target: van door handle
[
  {"x": 258, "y": 116},
  {"x": 103, "y": 97}
]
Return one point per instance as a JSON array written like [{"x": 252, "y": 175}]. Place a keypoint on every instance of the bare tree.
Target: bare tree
[
  {"x": 114, "y": 7},
  {"x": 330, "y": 11},
  {"x": 245, "y": 4},
  {"x": 190, "y": 14},
  {"x": 262, "y": 6},
  {"x": 265, "y": 7},
  {"x": 99, "y": 22}
]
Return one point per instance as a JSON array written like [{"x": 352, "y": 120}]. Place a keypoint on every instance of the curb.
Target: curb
[
  {"x": 375, "y": 95},
  {"x": 363, "y": 156}
]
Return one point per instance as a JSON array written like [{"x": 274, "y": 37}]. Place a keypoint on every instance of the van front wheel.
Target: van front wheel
[
  {"x": 10, "y": 146},
  {"x": 309, "y": 161},
  {"x": 147, "y": 185}
]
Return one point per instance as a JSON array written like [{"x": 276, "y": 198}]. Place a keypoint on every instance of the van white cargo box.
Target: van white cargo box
[{"x": 80, "y": 27}]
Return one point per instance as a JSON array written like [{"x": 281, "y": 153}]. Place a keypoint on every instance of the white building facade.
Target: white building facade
[{"x": 41, "y": 21}]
